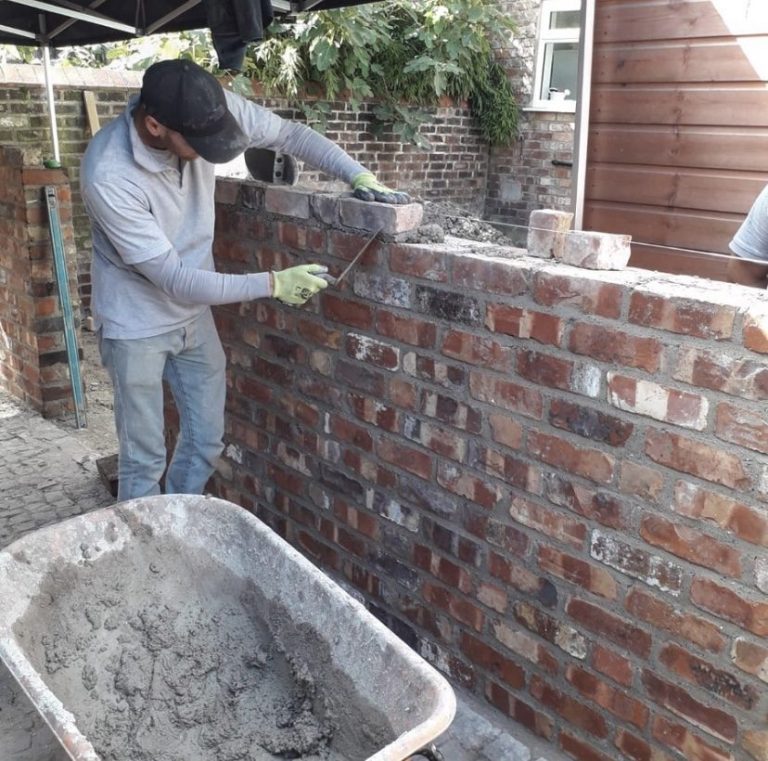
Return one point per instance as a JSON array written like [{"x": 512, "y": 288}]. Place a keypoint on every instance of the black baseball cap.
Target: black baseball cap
[{"x": 189, "y": 100}]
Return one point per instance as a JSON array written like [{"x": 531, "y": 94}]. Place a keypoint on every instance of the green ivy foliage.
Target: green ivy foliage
[{"x": 406, "y": 56}]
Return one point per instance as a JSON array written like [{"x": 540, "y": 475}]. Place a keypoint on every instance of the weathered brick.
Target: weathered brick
[
  {"x": 610, "y": 626},
  {"x": 464, "y": 484},
  {"x": 590, "y": 423},
  {"x": 691, "y": 545},
  {"x": 545, "y": 370},
  {"x": 448, "y": 410},
  {"x": 447, "y": 305},
  {"x": 442, "y": 441},
  {"x": 575, "y": 712},
  {"x": 406, "y": 329},
  {"x": 683, "y": 704},
  {"x": 547, "y": 232},
  {"x": 391, "y": 219},
  {"x": 596, "y": 505},
  {"x": 548, "y": 522},
  {"x": 288, "y": 202},
  {"x": 755, "y": 332},
  {"x": 456, "y": 607},
  {"x": 566, "y": 637},
  {"x": 581, "y": 750},
  {"x": 552, "y": 288},
  {"x": 478, "y": 351},
  {"x": 590, "y": 463},
  {"x": 615, "y": 346},
  {"x": 727, "y": 603},
  {"x": 683, "y": 740},
  {"x": 480, "y": 273},
  {"x": 612, "y": 665},
  {"x": 338, "y": 309},
  {"x": 709, "y": 677},
  {"x": 750, "y": 657},
  {"x": 414, "y": 461},
  {"x": 525, "y": 323},
  {"x": 616, "y": 701},
  {"x": 741, "y": 426},
  {"x": 719, "y": 371},
  {"x": 372, "y": 351},
  {"x": 666, "y": 617},
  {"x": 653, "y": 400},
  {"x": 492, "y": 661},
  {"x": 682, "y": 315},
  {"x": 419, "y": 261},
  {"x": 636, "y": 562},
  {"x": 525, "y": 646},
  {"x": 506, "y": 394},
  {"x": 637, "y": 749},
  {"x": 505, "y": 430},
  {"x": 745, "y": 522},
  {"x": 696, "y": 458},
  {"x": 595, "y": 250},
  {"x": 755, "y": 742},
  {"x": 536, "y": 721},
  {"x": 577, "y": 571}
]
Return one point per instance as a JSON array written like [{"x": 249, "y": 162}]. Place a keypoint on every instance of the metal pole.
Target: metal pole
[
  {"x": 51, "y": 103},
  {"x": 581, "y": 137}
]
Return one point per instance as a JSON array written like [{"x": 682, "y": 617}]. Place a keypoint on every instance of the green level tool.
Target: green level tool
[{"x": 62, "y": 283}]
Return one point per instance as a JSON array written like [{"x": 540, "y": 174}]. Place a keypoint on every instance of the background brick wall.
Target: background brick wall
[
  {"x": 551, "y": 482},
  {"x": 33, "y": 359}
]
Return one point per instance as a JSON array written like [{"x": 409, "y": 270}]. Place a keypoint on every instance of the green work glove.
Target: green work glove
[
  {"x": 368, "y": 188},
  {"x": 298, "y": 284}
]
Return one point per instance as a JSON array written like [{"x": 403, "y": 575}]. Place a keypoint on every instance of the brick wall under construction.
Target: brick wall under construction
[{"x": 550, "y": 481}]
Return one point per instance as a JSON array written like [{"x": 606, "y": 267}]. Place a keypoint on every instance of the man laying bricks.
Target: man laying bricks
[{"x": 148, "y": 182}]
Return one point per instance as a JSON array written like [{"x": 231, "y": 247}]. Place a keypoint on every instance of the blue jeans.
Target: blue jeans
[{"x": 192, "y": 362}]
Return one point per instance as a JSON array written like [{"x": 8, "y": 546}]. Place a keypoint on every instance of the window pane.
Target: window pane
[
  {"x": 561, "y": 70},
  {"x": 564, "y": 20}
]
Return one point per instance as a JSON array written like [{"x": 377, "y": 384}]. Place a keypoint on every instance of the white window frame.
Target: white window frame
[{"x": 543, "y": 53}]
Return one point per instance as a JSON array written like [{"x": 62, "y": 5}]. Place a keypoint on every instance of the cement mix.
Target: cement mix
[{"x": 162, "y": 654}]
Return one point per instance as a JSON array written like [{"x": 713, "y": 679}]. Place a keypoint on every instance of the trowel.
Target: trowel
[{"x": 337, "y": 281}]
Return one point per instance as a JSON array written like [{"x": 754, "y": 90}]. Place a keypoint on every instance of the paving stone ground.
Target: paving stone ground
[{"x": 47, "y": 474}]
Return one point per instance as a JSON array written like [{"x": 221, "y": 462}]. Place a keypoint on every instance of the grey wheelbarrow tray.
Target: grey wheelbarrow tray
[{"x": 417, "y": 701}]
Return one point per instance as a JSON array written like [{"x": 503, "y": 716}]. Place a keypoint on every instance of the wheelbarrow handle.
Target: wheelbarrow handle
[{"x": 429, "y": 752}]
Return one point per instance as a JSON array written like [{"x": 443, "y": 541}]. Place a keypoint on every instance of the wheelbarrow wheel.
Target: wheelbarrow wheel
[{"x": 428, "y": 752}]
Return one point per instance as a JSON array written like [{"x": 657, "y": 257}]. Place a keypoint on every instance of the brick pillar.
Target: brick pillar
[{"x": 33, "y": 359}]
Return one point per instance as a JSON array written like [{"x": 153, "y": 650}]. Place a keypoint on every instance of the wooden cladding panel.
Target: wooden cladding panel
[
  {"x": 678, "y": 136},
  {"x": 670, "y": 188},
  {"x": 675, "y": 19},
  {"x": 721, "y": 60},
  {"x": 745, "y": 149}
]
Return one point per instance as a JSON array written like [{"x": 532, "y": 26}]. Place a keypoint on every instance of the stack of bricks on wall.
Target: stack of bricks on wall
[{"x": 550, "y": 481}]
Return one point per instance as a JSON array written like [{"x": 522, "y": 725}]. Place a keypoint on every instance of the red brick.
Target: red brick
[
  {"x": 301, "y": 237},
  {"x": 441, "y": 440},
  {"x": 536, "y": 721},
  {"x": 612, "y": 665},
  {"x": 581, "y": 293},
  {"x": 599, "y": 506},
  {"x": 696, "y": 458},
  {"x": 726, "y": 603},
  {"x": 750, "y": 657},
  {"x": 524, "y": 323},
  {"x": 755, "y": 333},
  {"x": 458, "y": 608},
  {"x": 691, "y": 545},
  {"x": 666, "y": 617},
  {"x": 545, "y": 370},
  {"x": 348, "y": 312},
  {"x": 636, "y": 749},
  {"x": 449, "y": 410},
  {"x": 526, "y": 646},
  {"x": 466, "y": 485},
  {"x": 574, "y": 711},
  {"x": 714, "y": 680},
  {"x": 590, "y": 423},
  {"x": 615, "y": 347},
  {"x": 617, "y": 630},
  {"x": 681, "y": 703},
  {"x": 684, "y": 316},
  {"x": 551, "y": 629},
  {"x": 506, "y": 430},
  {"x": 745, "y": 522},
  {"x": 590, "y": 463},
  {"x": 548, "y": 522},
  {"x": 741, "y": 426},
  {"x": 406, "y": 329},
  {"x": 403, "y": 394},
  {"x": 493, "y": 597},
  {"x": 756, "y": 744},
  {"x": 581, "y": 750},
  {"x": 478, "y": 351},
  {"x": 350, "y": 433},
  {"x": 363, "y": 522},
  {"x": 513, "y": 574},
  {"x": 734, "y": 375},
  {"x": 606, "y": 696},
  {"x": 488, "y": 275},
  {"x": 577, "y": 571},
  {"x": 684, "y": 741},
  {"x": 419, "y": 261},
  {"x": 372, "y": 352},
  {"x": 505, "y": 394},
  {"x": 414, "y": 461},
  {"x": 489, "y": 659},
  {"x": 326, "y": 555}
]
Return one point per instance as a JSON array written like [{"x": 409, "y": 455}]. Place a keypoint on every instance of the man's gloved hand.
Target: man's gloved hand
[
  {"x": 296, "y": 285},
  {"x": 368, "y": 188}
]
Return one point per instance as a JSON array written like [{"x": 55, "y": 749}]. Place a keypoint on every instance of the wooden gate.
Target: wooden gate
[{"x": 678, "y": 138}]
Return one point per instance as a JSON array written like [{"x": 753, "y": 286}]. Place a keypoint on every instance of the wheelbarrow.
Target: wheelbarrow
[{"x": 183, "y": 627}]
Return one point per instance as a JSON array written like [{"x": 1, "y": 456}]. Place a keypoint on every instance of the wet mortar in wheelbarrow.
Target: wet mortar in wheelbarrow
[{"x": 182, "y": 627}]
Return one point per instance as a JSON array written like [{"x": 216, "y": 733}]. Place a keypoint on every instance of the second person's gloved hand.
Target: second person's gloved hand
[
  {"x": 296, "y": 285},
  {"x": 368, "y": 188}
]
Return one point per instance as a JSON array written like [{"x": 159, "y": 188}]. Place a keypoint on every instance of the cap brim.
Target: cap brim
[{"x": 228, "y": 143}]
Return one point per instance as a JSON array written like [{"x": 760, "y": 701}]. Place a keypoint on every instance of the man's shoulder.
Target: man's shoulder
[{"x": 109, "y": 152}]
